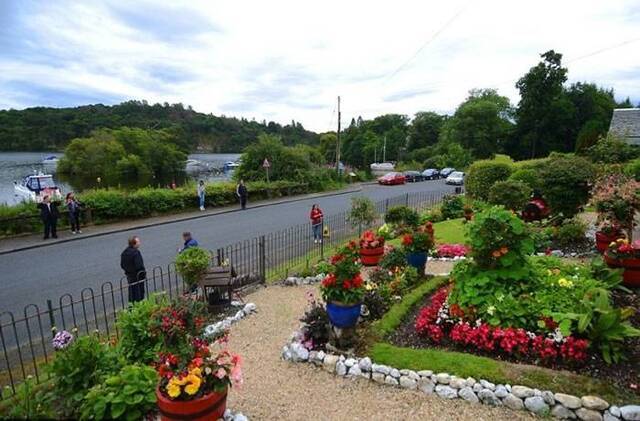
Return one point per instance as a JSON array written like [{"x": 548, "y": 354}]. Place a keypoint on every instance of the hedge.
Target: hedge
[
  {"x": 116, "y": 205},
  {"x": 484, "y": 174}
]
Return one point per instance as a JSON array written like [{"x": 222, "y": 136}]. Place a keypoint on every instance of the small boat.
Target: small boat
[
  {"x": 34, "y": 187},
  {"x": 230, "y": 166},
  {"x": 383, "y": 168},
  {"x": 193, "y": 165},
  {"x": 51, "y": 160}
]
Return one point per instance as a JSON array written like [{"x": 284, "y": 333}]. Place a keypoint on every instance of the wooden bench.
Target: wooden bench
[{"x": 218, "y": 279}]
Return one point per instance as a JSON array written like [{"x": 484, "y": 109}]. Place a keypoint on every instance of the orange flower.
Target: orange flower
[
  {"x": 496, "y": 253},
  {"x": 504, "y": 250}
]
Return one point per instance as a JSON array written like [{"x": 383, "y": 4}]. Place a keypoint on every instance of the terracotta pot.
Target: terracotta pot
[
  {"x": 208, "y": 407},
  {"x": 603, "y": 240},
  {"x": 371, "y": 257},
  {"x": 631, "y": 274}
]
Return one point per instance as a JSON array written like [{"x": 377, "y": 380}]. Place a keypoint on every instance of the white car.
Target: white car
[{"x": 456, "y": 177}]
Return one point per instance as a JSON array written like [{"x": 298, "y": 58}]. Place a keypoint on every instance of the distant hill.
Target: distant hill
[{"x": 45, "y": 128}]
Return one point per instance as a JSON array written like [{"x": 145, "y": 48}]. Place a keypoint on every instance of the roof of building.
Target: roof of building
[{"x": 626, "y": 123}]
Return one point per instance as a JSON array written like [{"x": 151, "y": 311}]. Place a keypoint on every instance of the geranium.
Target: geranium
[
  {"x": 344, "y": 283},
  {"x": 369, "y": 240},
  {"x": 623, "y": 249},
  {"x": 451, "y": 250},
  {"x": 417, "y": 242}
]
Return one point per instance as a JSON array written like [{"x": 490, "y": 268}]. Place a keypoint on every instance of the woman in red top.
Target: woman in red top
[{"x": 316, "y": 223}]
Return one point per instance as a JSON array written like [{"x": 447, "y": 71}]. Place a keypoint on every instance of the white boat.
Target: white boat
[
  {"x": 51, "y": 160},
  {"x": 34, "y": 187},
  {"x": 230, "y": 166},
  {"x": 383, "y": 168},
  {"x": 193, "y": 165}
]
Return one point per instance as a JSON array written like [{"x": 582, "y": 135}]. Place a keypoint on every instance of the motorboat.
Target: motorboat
[
  {"x": 194, "y": 166},
  {"x": 380, "y": 169},
  {"x": 230, "y": 166},
  {"x": 51, "y": 160},
  {"x": 34, "y": 187}
]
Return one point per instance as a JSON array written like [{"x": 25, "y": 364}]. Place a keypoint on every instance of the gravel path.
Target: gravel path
[{"x": 274, "y": 389}]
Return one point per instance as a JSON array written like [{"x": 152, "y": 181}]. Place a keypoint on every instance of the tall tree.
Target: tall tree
[
  {"x": 594, "y": 107},
  {"x": 544, "y": 114},
  {"x": 425, "y": 129}
]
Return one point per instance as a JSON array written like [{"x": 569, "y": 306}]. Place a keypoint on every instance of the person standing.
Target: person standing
[
  {"x": 73, "y": 206},
  {"x": 316, "y": 217},
  {"x": 201, "y": 193},
  {"x": 189, "y": 241},
  {"x": 242, "y": 193},
  {"x": 49, "y": 215},
  {"x": 133, "y": 265}
]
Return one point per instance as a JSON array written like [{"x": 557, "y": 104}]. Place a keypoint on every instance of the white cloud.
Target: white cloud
[{"x": 289, "y": 60}]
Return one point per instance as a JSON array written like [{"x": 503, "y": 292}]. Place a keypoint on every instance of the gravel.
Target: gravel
[{"x": 275, "y": 389}]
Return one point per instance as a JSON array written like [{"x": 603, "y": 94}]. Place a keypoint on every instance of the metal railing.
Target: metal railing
[{"x": 26, "y": 338}]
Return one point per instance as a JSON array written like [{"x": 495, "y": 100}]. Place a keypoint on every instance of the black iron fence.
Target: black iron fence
[{"x": 26, "y": 337}]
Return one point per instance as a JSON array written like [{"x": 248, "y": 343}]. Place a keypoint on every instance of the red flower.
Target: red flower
[
  {"x": 329, "y": 280},
  {"x": 337, "y": 258},
  {"x": 357, "y": 281},
  {"x": 407, "y": 240},
  {"x": 346, "y": 284}
]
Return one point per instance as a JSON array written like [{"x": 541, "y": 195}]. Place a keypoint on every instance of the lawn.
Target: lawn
[{"x": 450, "y": 231}]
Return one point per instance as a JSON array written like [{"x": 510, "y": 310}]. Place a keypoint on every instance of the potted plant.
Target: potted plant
[
  {"x": 617, "y": 200},
  {"x": 371, "y": 248},
  {"x": 416, "y": 246},
  {"x": 342, "y": 288},
  {"x": 192, "y": 264},
  {"x": 608, "y": 233},
  {"x": 623, "y": 254},
  {"x": 194, "y": 374}
]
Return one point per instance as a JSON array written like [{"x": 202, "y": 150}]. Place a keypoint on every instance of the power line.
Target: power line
[{"x": 604, "y": 50}]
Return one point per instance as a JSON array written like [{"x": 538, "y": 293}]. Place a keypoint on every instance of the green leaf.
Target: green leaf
[{"x": 117, "y": 409}]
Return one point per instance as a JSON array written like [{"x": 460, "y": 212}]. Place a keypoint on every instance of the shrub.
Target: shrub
[
  {"x": 30, "y": 402},
  {"x": 129, "y": 394},
  {"x": 362, "y": 212},
  {"x": 482, "y": 175},
  {"x": 632, "y": 169},
  {"x": 317, "y": 330},
  {"x": 402, "y": 216},
  {"x": 192, "y": 263},
  {"x": 565, "y": 183},
  {"x": 432, "y": 215},
  {"x": 529, "y": 177},
  {"x": 510, "y": 194},
  {"x": 617, "y": 200},
  {"x": 571, "y": 232},
  {"x": 452, "y": 207},
  {"x": 612, "y": 150},
  {"x": 394, "y": 258},
  {"x": 137, "y": 342}
]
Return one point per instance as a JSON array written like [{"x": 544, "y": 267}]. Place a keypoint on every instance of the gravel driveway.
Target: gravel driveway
[{"x": 274, "y": 389}]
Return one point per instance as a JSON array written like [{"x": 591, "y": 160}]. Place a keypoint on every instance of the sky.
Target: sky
[{"x": 290, "y": 60}]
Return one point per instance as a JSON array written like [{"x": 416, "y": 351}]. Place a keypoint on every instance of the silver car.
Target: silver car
[{"x": 456, "y": 177}]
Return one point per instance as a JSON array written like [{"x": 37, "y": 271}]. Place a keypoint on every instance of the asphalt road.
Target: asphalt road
[{"x": 32, "y": 276}]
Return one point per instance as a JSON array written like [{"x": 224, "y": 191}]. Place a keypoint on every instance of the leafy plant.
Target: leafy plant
[
  {"x": 417, "y": 242},
  {"x": 316, "y": 323},
  {"x": 343, "y": 282},
  {"x": 528, "y": 176},
  {"x": 192, "y": 264},
  {"x": 402, "y": 216},
  {"x": 510, "y": 194},
  {"x": 362, "y": 212},
  {"x": 137, "y": 342},
  {"x": 452, "y": 207},
  {"x": 571, "y": 232},
  {"x": 484, "y": 174},
  {"x": 617, "y": 200},
  {"x": 129, "y": 394},
  {"x": 31, "y": 401},
  {"x": 566, "y": 183}
]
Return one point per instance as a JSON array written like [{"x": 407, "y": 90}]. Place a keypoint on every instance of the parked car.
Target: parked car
[
  {"x": 430, "y": 174},
  {"x": 456, "y": 178},
  {"x": 413, "y": 176},
  {"x": 392, "y": 178},
  {"x": 445, "y": 172}
]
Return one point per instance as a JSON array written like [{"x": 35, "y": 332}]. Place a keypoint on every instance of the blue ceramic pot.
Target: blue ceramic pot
[
  {"x": 343, "y": 315},
  {"x": 417, "y": 260}
]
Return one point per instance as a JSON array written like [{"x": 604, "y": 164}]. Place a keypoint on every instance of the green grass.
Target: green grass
[
  {"x": 467, "y": 365},
  {"x": 450, "y": 231}
]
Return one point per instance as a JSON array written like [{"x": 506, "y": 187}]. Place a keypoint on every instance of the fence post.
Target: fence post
[
  {"x": 261, "y": 246},
  {"x": 322, "y": 240},
  {"x": 52, "y": 320},
  {"x": 406, "y": 199},
  {"x": 386, "y": 205}
]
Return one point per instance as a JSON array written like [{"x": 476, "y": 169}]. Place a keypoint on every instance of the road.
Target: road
[{"x": 32, "y": 276}]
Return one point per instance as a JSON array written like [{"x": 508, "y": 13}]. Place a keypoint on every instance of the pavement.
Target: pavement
[{"x": 32, "y": 271}]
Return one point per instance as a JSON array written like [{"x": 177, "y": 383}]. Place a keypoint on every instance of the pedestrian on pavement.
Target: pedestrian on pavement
[
  {"x": 189, "y": 241},
  {"x": 49, "y": 215},
  {"x": 201, "y": 193},
  {"x": 242, "y": 193},
  {"x": 74, "y": 207},
  {"x": 316, "y": 217},
  {"x": 133, "y": 265}
]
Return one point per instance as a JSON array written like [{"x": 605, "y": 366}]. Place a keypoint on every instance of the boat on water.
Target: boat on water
[
  {"x": 230, "y": 166},
  {"x": 382, "y": 168},
  {"x": 194, "y": 166},
  {"x": 51, "y": 160},
  {"x": 34, "y": 187}
]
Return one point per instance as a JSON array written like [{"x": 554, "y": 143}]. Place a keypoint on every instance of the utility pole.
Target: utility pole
[
  {"x": 384, "y": 149},
  {"x": 338, "y": 141}
]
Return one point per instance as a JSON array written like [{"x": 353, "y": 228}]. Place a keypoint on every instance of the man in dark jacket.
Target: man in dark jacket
[
  {"x": 189, "y": 241},
  {"x": 242, "y": 193},
  {"x": 49, "y": 214},
  {"x": 132, "y": 264}
]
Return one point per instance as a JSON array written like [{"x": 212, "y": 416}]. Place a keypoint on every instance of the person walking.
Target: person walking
[
  {"x": 133, "y": 265},
  {"x": 316, "y": 217},
  {"x": 74, "y": 207},
  {"x": 189, "y": 241},
  {"x": 49, "y": 215},
  {"x": 201, "y": 193},
  {"x": 242, "y": 193}
]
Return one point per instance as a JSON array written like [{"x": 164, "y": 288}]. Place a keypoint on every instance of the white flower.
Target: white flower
[{"x": 207, "y": 370}]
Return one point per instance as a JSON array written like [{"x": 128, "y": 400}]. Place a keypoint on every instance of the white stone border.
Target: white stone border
[
  {"x": 216, "y": 329},
  {"x": 230, "y": 416},
  {"x": 446, "y": 386}
]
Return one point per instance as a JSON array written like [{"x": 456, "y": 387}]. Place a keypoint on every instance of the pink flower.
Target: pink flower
[
  {"x": 221, "y": 373},
  {"x": 236, "y": 371}
]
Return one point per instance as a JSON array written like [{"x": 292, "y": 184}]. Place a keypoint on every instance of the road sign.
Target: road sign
[{"x": 266, "y": 163}]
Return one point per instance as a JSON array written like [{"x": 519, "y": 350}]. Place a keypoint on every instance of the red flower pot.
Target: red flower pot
[
  {"x": 371, "y": 257},
  {"x": 631, "y": 274},
  {"x": 208, "y": 407},
  {"x": 603, "y": 240}
]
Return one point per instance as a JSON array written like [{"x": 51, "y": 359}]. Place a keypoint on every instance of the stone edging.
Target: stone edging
[
  {"x": 216, "y": 329},
  {"x": 230, "y": 416},
  {"x": 543, "y": 403}
]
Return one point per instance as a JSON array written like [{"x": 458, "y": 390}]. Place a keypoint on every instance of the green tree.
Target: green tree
[
  {"x": 594, "y": 107},
  {"x": 328, "y": 143},
  {"x": 425, "y": 130}
]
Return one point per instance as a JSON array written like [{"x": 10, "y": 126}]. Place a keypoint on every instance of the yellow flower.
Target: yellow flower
[
  {"x": 193, "y": 386},
  {"x": 196, "y": 371},
  {"x": 564, "y": 283},
  {"x": 179, "y": 381},
  {"x": 173, "y": 390}
]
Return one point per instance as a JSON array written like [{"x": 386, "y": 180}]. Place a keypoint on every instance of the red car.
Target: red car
[{"x": 392, "y": 178}]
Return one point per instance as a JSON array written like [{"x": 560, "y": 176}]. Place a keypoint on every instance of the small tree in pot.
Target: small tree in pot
[
  {"x": 192, "y": 264},
  {"x": 617, "y": 200}
]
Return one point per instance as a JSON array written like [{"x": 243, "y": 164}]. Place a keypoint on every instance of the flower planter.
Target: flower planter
[
  {"x": 631, "y": 274},
  {"x": 417, "y": 260},
  {"x": 343, "y": 315},
  {"x": 603, "y": 240},
  {"x": 208, "y": 407},
  {"x": 371, "y": 257}
]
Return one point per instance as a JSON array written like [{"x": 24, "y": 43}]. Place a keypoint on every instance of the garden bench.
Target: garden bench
[{"x": 219, "y": 280}]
